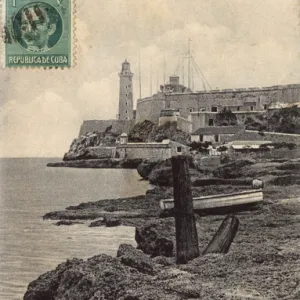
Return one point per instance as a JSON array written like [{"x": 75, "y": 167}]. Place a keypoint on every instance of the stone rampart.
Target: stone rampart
[
  {"x": 150, "y": 108},
  {"x": 275, "y": 137},
  {"x": 279, "y": 137},
  {"x": 184, "y": 125},
  {"x": 145, "y": 151},
  {"x": 117, "y": 126},
  {"x": 250, "y": 99},
  {"x": 103, "y": 152}
]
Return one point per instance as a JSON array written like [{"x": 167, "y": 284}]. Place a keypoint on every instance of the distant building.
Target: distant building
[
  {"x": 245, "y": 146},
  {"x": 201, "y": 107},
  {"x": 191, "y": 110},
  {"x": 216, "y": 134}
]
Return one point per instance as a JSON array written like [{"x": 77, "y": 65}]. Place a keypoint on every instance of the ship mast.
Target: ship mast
[
  {"x": 140, "y": 79},
  {"x": 151, "y": 77},
  {"x": 189, "y": 63}
]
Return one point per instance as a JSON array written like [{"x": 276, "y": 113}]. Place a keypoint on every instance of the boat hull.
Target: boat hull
[{"x": 244, "y": 198}]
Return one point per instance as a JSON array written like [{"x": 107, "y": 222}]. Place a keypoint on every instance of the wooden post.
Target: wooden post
[
  {"x": 224, "y": 236},
  {"x": 186, "y": 231}
]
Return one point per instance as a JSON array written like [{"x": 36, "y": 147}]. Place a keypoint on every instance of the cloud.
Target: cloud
[{"x": 41, "y": 127}]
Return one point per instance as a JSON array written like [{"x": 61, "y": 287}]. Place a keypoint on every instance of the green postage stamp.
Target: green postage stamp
[{"x": 38, "y": 33}]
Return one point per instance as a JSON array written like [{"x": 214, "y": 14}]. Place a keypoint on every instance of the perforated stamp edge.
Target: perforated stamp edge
[{"x": 73, "y": 51}]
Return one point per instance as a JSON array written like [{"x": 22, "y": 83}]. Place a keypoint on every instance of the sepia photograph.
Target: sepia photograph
[{"x": 150, "y": 150}]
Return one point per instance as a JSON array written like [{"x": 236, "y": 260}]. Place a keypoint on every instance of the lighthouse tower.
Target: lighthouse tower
[{"x": 126, "y": 96}]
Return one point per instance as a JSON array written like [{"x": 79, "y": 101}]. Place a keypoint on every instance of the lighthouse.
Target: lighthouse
[{"x": 126, "y": 95}]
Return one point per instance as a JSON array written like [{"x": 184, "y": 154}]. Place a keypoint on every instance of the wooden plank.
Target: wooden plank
[{"x": 224, "y": 236}]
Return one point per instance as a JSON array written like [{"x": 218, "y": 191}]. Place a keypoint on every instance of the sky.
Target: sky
[{"x": 235, "y": 43}]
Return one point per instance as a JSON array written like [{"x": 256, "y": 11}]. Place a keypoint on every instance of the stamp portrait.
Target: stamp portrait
[{"x": 38, "y": 33}]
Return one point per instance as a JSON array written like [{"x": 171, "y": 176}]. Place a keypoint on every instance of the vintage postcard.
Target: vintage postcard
[{"x": 150, "y": 150}]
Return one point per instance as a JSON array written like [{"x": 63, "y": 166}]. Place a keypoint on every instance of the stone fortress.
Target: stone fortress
[{"x": 191, "y": 109}]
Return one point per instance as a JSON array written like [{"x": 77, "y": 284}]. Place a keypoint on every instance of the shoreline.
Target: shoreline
[
  {"x": 259, "y": 266},
  {"x": 263, "y": 266},
  {"x": 105, "y": 163}
]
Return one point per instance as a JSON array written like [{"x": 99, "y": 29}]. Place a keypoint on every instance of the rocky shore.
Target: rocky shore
[
  {"x": 104, "y": 163},
  {"x": 263, "y": 261}
]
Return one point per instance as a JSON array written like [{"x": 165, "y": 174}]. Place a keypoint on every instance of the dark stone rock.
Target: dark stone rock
[
  {"x": 145, "y": 167},
  {"x": 100, "y": 277},
  {"x": 67, "y": 223},
  {"x": 135, "y": 259},
  {"x": 141, "y": 131},
  {"x": 167, "y": 213},
  {"x": 111, "y": 222},
  {"x": 165, "y": 261},
  {"x": 233, "y": 169},
  {"x": 162, "y": 176},
  {"x": 156, "y": 238},
  {"x": 97, "y": 223}
]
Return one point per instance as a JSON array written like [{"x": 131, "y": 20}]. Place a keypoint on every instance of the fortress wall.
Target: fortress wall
[
  {"x": 118, "y": 126},
  {"x": 291, "y": 95},
  {"x": 195, "y": 102},
  {"x": 144, "y": 151},
  {"x": 277, "y": 137},
  {"x": 184, "y": 125},
  {"x": 165, "y": 119},
  {"x": 103, "y": 152},
  {"x": 260, "y": 98},
  {"x": 150, "y": 108}
]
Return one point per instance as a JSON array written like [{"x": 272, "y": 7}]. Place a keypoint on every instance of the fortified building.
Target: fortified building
[{"x": 191, "y": 110}]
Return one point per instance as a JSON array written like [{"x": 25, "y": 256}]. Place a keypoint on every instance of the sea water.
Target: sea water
[{"x": 30, "y": 246}]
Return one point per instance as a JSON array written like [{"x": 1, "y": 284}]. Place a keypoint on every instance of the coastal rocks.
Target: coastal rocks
[
  {"x": 161, "y": 176},
  {"x": 156, "y": 237},
  {"x": 67, "y": 223},
  {"x": 97, "y": 223},
  {"x": 147, "y": 131},
  {"x": 79, "y": 147},
  {"x": 105, "y": 163},
  {"x": 169, "y": 131},
  {"x": 106, "y": 221},
  {"x": 79, "y": 280},
  {"x": 161, "y": 173},
  {"x": 233, "y": 169},
  {"x": 141, "y": 131},
  {"x": 145, "y": 167},
  {"x": 135, "y": 259},
  {"x": 112, "y": 222}
]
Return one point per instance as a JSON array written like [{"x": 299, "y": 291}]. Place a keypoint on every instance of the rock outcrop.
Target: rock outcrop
[
  {"x": 169, "y": 131},
  {"x": 147, "y": 131},
  {"x": 100, "y": 277},
  {"x": 145, "y": 167},
  {"x": 82, "y": 147},
  {"x": 141, "y": 131},
  {"x": 156, "y": 237},
  {"x": 233, "y": 169},
  {"x": 136, "y": 259}
]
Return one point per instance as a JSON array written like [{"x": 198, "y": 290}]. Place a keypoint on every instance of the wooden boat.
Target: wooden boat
[{"x": 244, "y": 198}]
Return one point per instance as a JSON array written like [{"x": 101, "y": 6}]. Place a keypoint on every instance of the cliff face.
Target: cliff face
[
  {"x": 147, "y": 131},
  {"x": 81, "y": 147}
]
